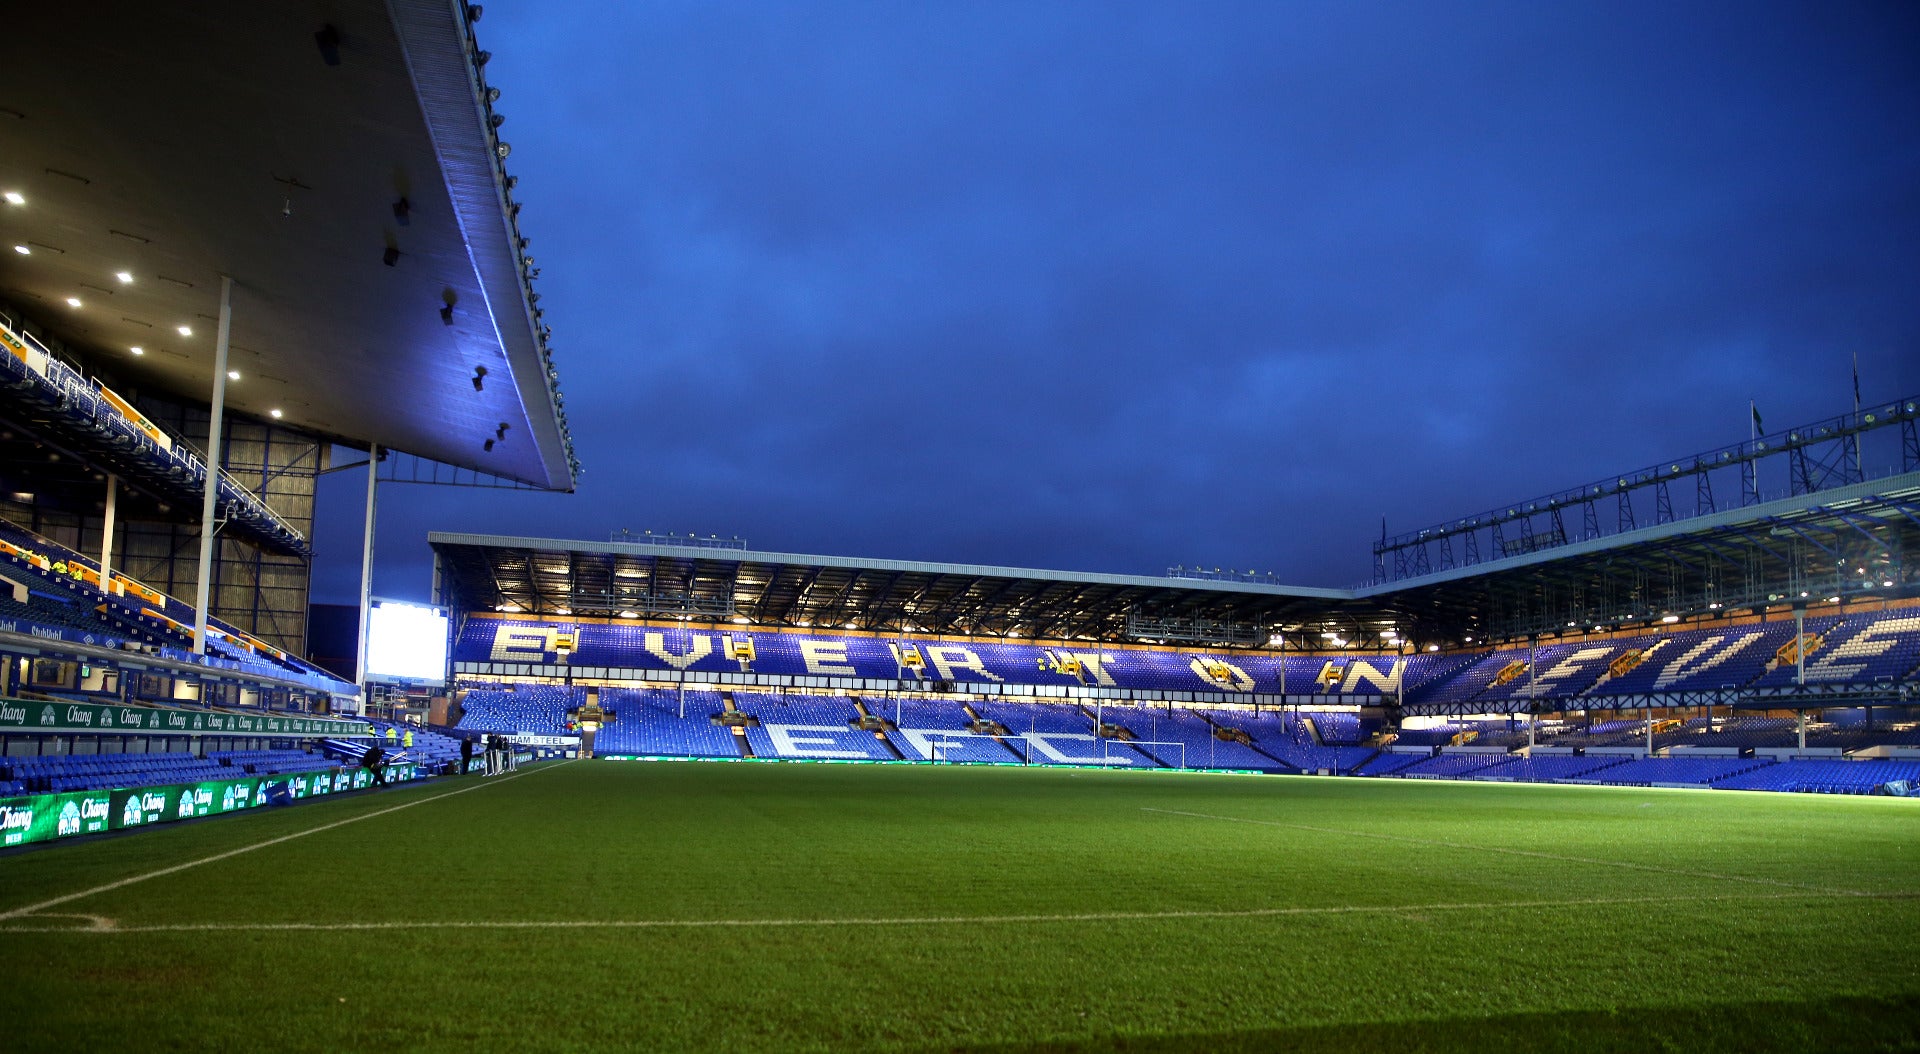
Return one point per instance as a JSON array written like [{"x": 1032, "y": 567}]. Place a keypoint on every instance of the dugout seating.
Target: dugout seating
[
  {"x": 52, "y": 774},
  {"x": 269, "y": 762}
]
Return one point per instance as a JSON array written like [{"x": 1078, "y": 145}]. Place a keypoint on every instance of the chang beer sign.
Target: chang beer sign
[
  {"x": 33, "y": 716},
  {"x": 45, "y": 817},
  {"x": 143, "y": 806}
]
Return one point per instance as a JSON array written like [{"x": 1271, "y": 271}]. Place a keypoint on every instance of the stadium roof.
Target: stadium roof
[
  {"x": 296, "y": 151},
  {"x": 548, "y": 576},
  {"x": 1845, "y": 542}
]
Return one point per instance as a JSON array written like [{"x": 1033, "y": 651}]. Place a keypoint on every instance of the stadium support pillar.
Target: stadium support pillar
[
  {"x": 203, "y": 590},
  {"x": 1803, "y": 730},
  {"x": 1799, "y": 646},
  {"x": 106, "y": 534},
  {"x": 366, "y": 568}
]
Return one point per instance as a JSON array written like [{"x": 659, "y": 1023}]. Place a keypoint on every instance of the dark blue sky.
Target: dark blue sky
[{"x": 1114, "y": 287}]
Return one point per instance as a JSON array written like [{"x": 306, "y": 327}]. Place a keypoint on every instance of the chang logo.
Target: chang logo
[
  {"x": 14, "y": 822},
  {"x": 226, "y": 799},
  {"x": 93, "y": 813},
  {"x": 131, "y": 814},
  {"x": 186, "y": 805},
  {"x": 12, "y": 715},
  {"x": 47, "y": 716},
  {"x": 69, "y": 822}
]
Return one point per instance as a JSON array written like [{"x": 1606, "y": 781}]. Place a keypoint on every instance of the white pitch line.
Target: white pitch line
[
  {"x": 933, "y": 920},
  {"x": 1517, "y": 852},
  {"x": 34, "y": 909}
]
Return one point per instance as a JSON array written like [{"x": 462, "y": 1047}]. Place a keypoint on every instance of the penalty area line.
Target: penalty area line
[
  {"x": 34, "y": 909},
  {"x": 1534, "y": 853},
  {"x": 924, "y": 920}
]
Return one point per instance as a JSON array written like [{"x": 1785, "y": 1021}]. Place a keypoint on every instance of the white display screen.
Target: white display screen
[{"x": 407, "y": 642}]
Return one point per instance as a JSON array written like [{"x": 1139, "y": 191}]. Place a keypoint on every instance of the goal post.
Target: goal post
[{"x": 1107, "y": 745}]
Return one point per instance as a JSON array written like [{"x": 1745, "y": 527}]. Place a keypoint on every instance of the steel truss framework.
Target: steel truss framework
[
  {"x": 1813, "y": 458},
  {"x": 1819, "y": 696},
  {"x": 1552, "y": 704},
  {"x": 606, "y": 580},
  {"x": 1850, "y": 543}
]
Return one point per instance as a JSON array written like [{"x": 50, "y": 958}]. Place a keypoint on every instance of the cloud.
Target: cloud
[{"x": 1226, "y": 284}]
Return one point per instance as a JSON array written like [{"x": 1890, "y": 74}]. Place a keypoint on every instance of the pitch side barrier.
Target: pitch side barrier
[{"x": 30, "y": 818}]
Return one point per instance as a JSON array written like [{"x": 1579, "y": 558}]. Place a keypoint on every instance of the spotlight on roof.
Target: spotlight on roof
[
  {"x": 328, "y": 41},
  {"x": 233, "y": 375},
  {"x": 73, "y": 301},
  {"x": 125, "y": 277},
  {"x": 14, "y": 197},
  {"x": 446, "y": 314},
  {"x": 487, "y": 446},
  {"x": 275, "y": 413},
  {"x": 23, "y": 249},
  {"x": 185, "y": 331},
  {"x": 390, "y": 257},
  {"x": 501, "y": 432},
  {"x": 479, "y": 375},
  {"x": 403, "y": 211},
  {"x": 138, "y": 350}
]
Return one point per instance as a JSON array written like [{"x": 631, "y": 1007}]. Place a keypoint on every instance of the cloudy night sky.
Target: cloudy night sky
[{"x": 1114, "y": 287}]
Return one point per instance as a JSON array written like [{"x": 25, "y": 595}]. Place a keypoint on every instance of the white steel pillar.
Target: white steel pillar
[
  {"x": 106, "y": 536},
  {"x": 1533, "y": 694},
  {"x": 366, "y": 567},
  {"x": 1799, "y": 645},
  {"x": 203, "y": 590}
]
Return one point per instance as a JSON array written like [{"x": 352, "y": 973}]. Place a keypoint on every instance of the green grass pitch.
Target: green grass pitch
[{"x": 743, "y": 907}]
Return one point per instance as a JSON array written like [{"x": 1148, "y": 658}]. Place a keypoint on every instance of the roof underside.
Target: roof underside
[
  {"x": 601, "y": 580},
  {"x": 1848, "y": 542},
  {"x": 1851, "y": 542},
  {"x": 180, "y": 143}
]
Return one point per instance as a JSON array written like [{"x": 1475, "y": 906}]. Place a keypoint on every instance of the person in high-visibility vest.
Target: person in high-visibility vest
[
  {"x": 407, "y": 740},
  {"x": 392, "y": 734}
]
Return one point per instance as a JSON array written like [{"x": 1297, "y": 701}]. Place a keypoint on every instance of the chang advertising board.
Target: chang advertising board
[{"x": 46, "y": 817}]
